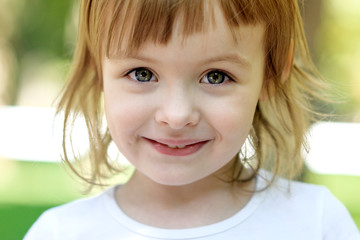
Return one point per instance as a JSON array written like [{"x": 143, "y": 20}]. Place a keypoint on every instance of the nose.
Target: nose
[{"x": 177, "y": 109}]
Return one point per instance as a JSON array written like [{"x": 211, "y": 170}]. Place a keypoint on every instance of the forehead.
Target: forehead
[
  {"x": 201, "y": 49},
  {"x": 131, "y": 24}
]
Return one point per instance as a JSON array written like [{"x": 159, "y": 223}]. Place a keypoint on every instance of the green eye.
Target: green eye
[
  {"x": 142, "y": 75},
  {"x": 216, "y": 77}
]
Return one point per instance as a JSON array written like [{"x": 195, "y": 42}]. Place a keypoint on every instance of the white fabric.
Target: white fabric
[{"x": 305, "y": 212}]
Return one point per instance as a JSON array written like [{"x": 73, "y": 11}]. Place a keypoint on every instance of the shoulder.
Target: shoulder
[
  {"x": 308, "y": 196},
  {"x": 69, "y": 216},
  {"x": 312, "y": 206},
  {"x": 293, "y": 191},
  {"x": 81, "y": 208}
]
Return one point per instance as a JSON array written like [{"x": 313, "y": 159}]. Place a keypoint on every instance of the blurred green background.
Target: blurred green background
[{"x": 37, "y": 38}]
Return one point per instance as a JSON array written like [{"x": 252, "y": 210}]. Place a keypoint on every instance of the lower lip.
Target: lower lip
[{"x": 188, "y": 150}]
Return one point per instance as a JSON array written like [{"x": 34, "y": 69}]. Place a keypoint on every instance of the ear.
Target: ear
[
  {"x": 288, "y": 64},
  {"x": 268, "y": 89}
]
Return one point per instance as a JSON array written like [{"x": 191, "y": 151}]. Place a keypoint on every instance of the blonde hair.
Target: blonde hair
[{"x": 280, "y": 123}]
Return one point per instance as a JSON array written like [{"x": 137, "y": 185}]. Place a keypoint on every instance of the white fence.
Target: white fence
[{"x": 31, "y": 133}]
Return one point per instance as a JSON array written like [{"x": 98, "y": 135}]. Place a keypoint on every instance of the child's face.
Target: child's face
[{"x": 180, "y": 112}]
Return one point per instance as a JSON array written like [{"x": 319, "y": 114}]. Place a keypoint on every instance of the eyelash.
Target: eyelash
[
  {"x": 136, "y": 78},
  {"x": 217, "y": 72},
  {"x": 152, "y": 77}
]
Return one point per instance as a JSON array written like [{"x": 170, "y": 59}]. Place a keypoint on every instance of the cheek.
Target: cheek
[
  {"x": 121, "y": 117},
  {"x": 234, "y": 122},
  {"x": 238, "y": 112},
  {"x": 122, "y": 114}
]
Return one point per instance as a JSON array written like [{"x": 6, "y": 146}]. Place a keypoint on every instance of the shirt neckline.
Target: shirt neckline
[{"x": 148, "y": 231}]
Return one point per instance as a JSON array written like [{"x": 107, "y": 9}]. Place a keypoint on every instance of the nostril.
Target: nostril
[{"x": 177, "y": 118}]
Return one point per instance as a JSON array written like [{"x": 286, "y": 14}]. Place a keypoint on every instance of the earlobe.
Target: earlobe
[
  {"x": 101, "y": 85},
  {"x": 268, "y": 90}
]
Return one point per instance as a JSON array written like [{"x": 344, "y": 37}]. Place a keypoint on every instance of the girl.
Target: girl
[{"x": 183, "y": 84}]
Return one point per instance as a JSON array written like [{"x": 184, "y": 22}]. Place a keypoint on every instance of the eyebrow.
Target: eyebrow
[
  {"x": 232, "y": 57},
  {"x": 235, "y": 58}
]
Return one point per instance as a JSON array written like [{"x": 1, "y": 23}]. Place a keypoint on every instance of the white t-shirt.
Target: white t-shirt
[{"x": 305, "y": 212}]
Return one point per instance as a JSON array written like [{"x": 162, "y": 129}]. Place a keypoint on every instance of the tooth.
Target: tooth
[{"x": 174, "y": 146}]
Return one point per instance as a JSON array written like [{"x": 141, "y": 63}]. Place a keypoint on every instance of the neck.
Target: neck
[{"x": 204, "y": 202}]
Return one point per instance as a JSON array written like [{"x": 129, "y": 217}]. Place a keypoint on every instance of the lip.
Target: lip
[{"x": 187, "y": 146}]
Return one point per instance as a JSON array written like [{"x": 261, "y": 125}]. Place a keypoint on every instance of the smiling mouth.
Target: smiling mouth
[{"x": 168, "y": 147}]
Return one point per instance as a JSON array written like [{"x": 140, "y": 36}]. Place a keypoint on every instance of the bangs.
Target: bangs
[
  {"x": 114, "y": 28},
  {"x": 131, "y": 23}
]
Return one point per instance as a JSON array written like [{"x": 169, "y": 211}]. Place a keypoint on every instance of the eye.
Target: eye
[
  {"x": 215, "y": 77},
  {"x": 142, "y": 75}
]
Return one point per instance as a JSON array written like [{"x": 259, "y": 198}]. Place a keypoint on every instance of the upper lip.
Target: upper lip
[{"x": 178, "y": 142}]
